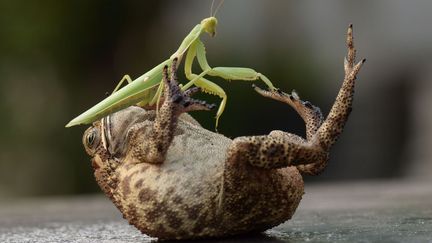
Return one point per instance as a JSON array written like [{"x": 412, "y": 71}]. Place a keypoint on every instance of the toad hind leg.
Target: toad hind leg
[
  {"x": 281, "y": 149},
  {"x": 272, "y": 152},
  {"x": 313, "y": 119},
  {"x": 151, "y": 147}
]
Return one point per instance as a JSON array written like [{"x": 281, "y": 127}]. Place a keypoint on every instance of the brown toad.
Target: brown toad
[{"x": 173, "y": 179}]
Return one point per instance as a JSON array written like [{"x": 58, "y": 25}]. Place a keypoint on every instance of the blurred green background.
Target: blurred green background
[{"x": 59, "y": 58}]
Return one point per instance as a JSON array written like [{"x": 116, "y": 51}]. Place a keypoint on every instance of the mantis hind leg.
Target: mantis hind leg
[
  {"x": 125, "y": 78},
  {"x": 143, "y": 104}
]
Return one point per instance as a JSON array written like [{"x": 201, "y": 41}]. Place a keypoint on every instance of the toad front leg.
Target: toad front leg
[
  {"x": 150, "y": 143},
  {"x": 310, "y": 155}
]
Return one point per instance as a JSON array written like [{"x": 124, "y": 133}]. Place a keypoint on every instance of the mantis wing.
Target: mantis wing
[{"x": 140, "y": 90}]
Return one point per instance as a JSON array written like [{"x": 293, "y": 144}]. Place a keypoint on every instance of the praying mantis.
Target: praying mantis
[{"x": 146, "y": 90}]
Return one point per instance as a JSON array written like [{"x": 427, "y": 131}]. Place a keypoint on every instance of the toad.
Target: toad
[{"x": 173, "y": 179}]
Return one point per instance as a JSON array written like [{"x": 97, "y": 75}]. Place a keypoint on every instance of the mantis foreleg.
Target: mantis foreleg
[
  {"x": 197, "y": 49},
  {"x": 211, "y": 88}
]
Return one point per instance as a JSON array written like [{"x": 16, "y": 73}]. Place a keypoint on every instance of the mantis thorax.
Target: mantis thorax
[{"x": 209, "y": 25}]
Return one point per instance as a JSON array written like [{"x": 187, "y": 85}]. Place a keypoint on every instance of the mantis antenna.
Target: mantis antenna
[
  {"x": 211, "y": 8},
  {"x": 217, "y": 8}
]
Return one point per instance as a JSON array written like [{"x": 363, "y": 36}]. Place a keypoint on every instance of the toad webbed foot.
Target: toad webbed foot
[
  {"x": 176, "y": 101},
  {"x": 280, "y": 149},
  {"x": 150, "y": 143},
  {"x": 310, "y": 114}
]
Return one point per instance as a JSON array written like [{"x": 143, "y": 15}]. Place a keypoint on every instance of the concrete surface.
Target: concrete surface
[{"x": 374, "y": 211}]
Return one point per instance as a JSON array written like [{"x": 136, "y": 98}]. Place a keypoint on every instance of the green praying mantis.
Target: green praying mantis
[{"x": 147, "y": 89}]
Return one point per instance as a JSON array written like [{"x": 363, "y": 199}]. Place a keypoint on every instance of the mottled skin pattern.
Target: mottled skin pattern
[{"x": 173, "y": 179}]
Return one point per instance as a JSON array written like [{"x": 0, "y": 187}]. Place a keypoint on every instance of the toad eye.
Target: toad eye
[{"x": 91, "y": 139}]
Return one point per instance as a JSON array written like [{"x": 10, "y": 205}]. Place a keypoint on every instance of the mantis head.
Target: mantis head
[{"x": 209, "y": 25}]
